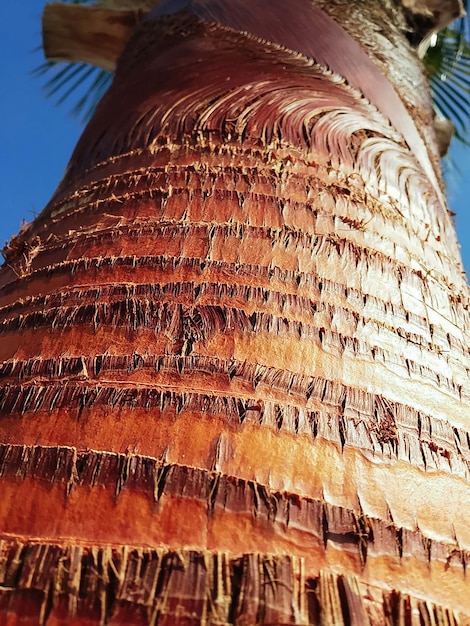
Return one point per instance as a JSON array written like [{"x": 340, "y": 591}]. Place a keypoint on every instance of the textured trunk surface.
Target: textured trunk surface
[{"x": 235, "y": 347}]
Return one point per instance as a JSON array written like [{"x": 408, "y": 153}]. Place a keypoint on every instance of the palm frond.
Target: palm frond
[
  {"x": 82, "y": 46},
  {"x": 69, "y": 80},
  {"x": 447, "y": 61}
]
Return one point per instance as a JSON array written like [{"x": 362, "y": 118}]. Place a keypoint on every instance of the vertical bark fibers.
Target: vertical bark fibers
[{"x": 235, "y": 358}]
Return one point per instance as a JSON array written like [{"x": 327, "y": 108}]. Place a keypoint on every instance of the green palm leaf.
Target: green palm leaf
[
  {"x": 448, "y": 64},
  {"x": 71, "y": 79}
]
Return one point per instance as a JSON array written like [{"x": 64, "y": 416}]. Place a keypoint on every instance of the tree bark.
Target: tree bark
[{"x": 235, "y": 346}]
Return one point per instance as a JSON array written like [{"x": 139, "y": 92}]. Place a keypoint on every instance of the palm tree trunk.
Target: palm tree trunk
[{"x": 235, "y": 347}]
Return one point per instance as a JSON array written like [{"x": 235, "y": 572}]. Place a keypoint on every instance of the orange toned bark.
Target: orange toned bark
[
  {"x": 213, "y": 513},
  {"x": 235, "y": 354}
]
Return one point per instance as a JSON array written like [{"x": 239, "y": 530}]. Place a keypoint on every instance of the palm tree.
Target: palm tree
[{"x": 235, "y": 344}]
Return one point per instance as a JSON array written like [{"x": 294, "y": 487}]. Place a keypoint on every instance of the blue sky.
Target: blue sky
[{"x": 38, "y": 137}]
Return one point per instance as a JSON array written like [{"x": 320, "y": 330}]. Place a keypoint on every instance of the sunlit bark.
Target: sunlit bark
[{"x": 235, "y": 351}]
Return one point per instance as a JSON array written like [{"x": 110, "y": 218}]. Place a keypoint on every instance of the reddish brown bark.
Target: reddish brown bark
[{"x": 235, "y": 358}]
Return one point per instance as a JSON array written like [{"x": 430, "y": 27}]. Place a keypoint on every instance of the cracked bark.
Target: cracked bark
[{"x": 235, "y": 357}]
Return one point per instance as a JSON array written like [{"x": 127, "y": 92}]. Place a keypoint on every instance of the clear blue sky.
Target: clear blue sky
[{"x": 37, "y": 137}]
